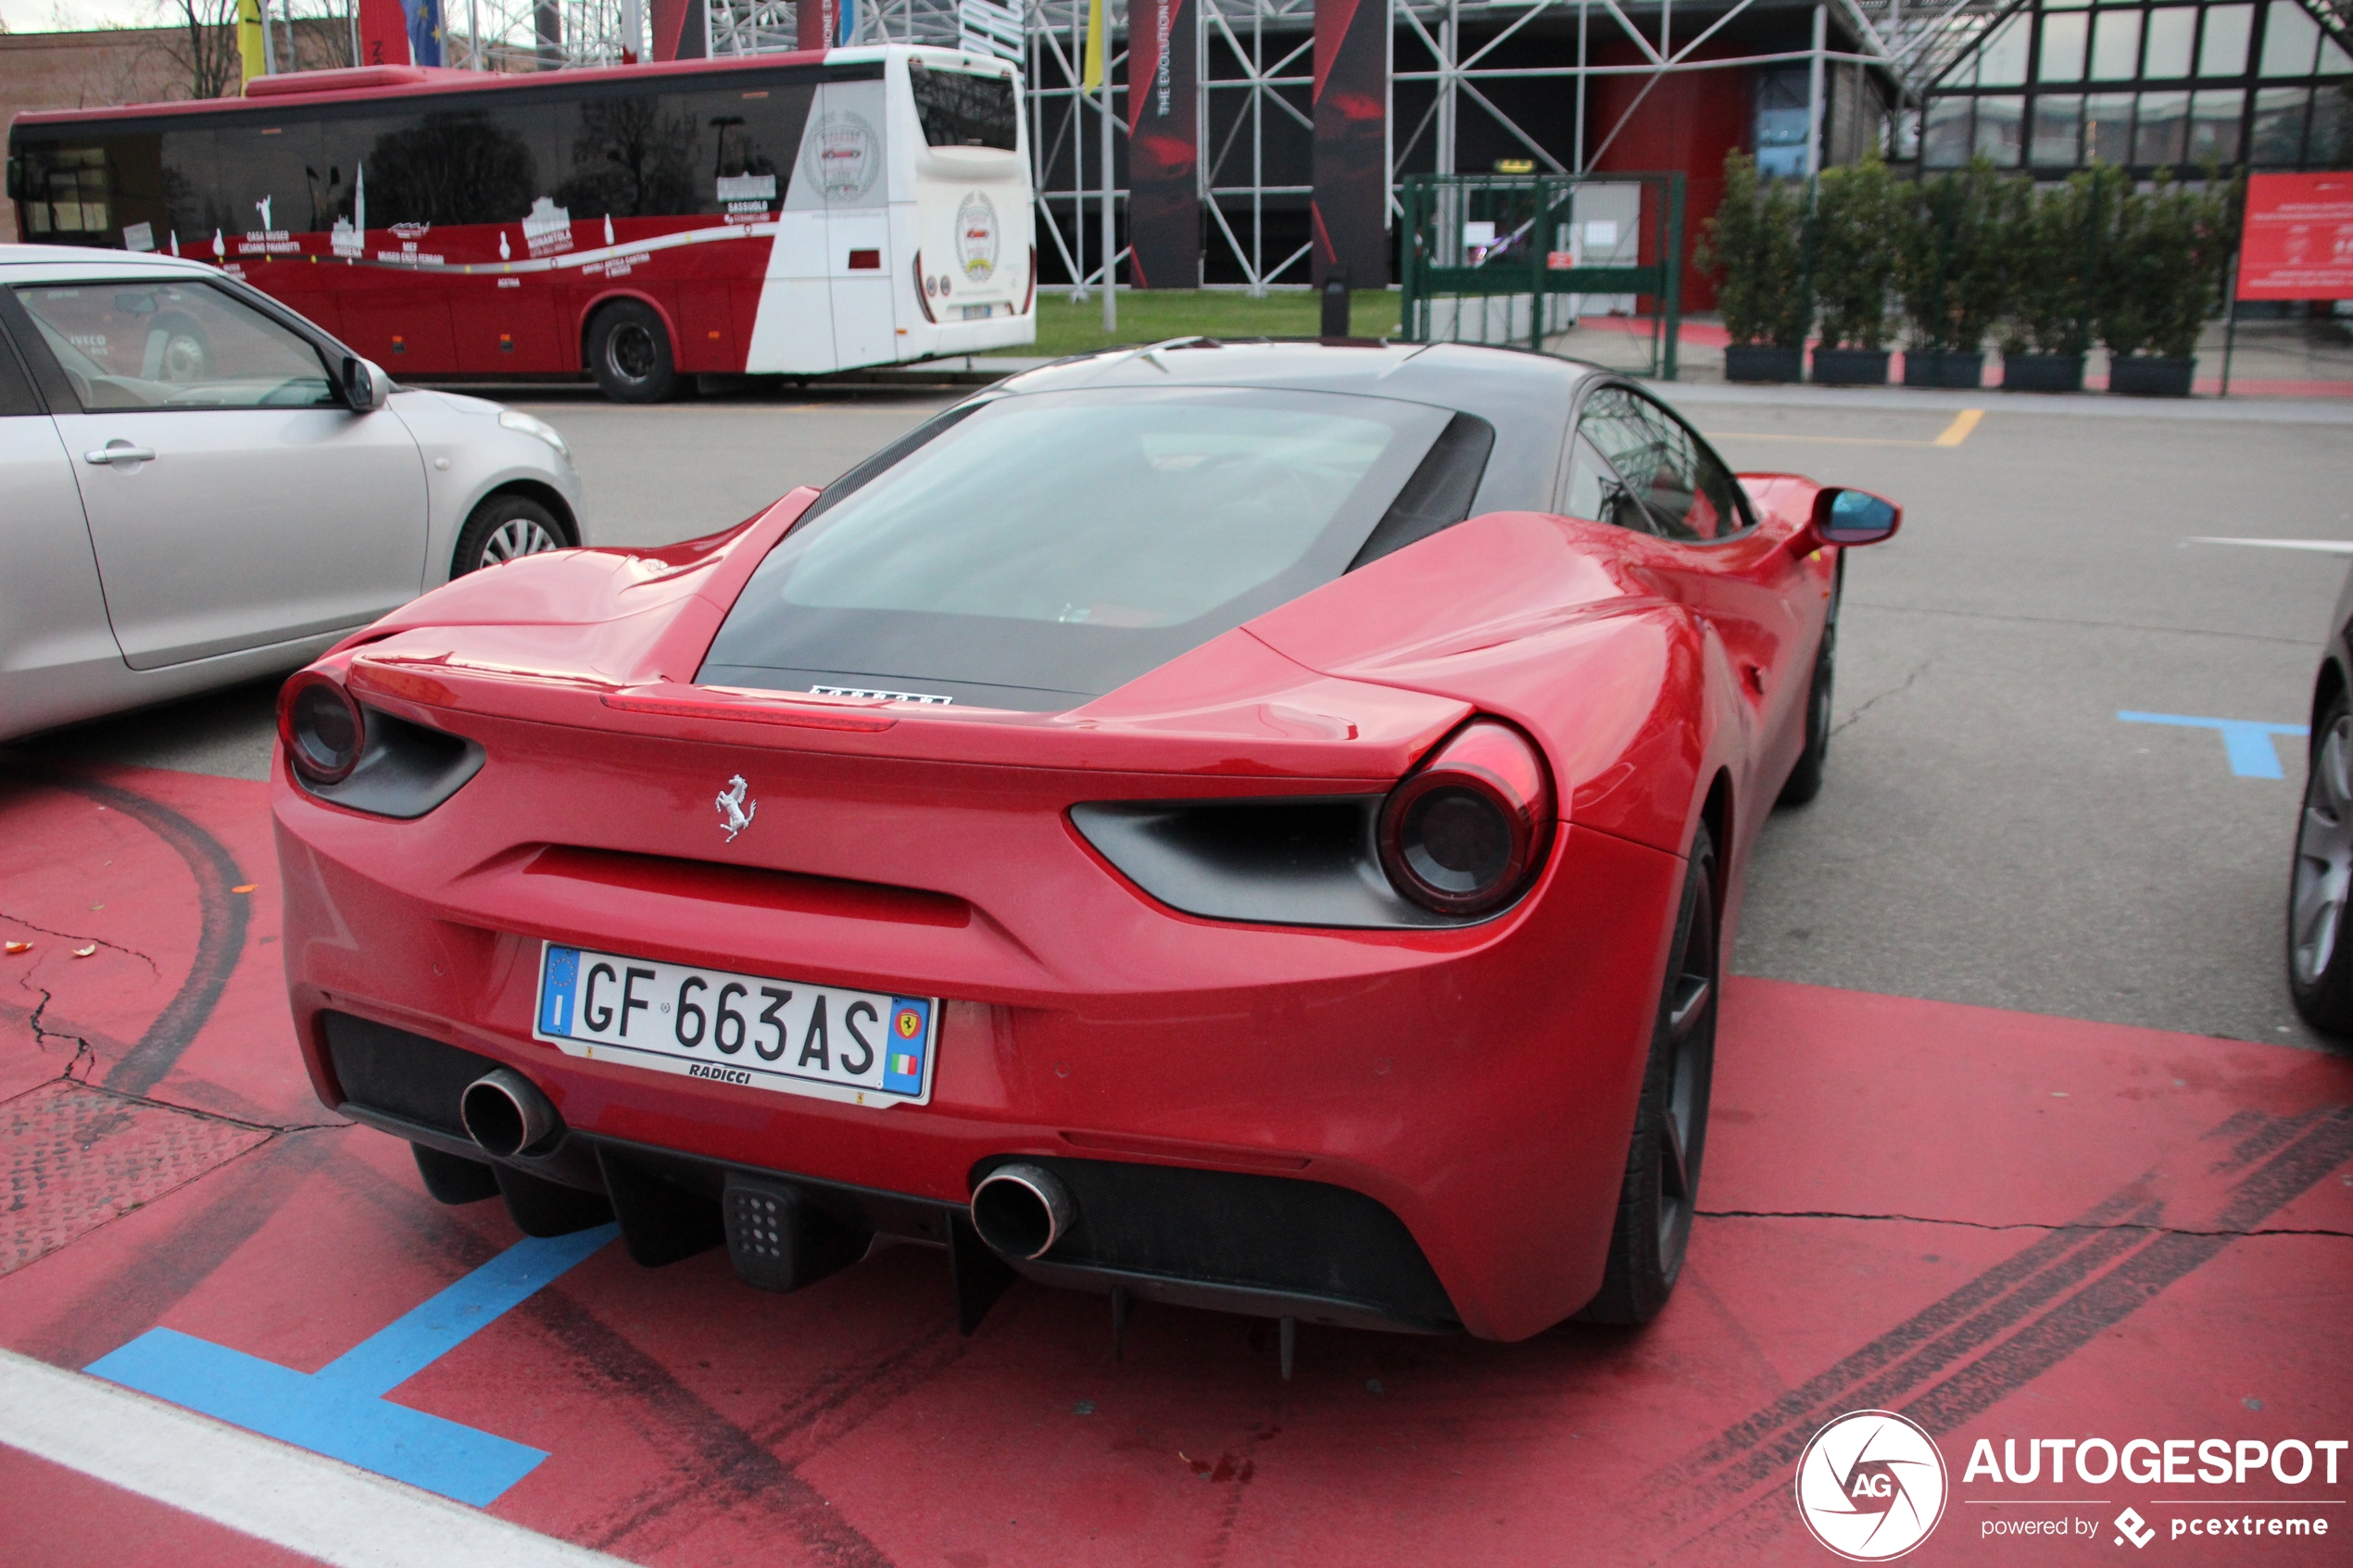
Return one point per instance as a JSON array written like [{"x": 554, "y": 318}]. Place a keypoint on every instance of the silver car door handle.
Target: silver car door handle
[{"x": 105, "y": 455}]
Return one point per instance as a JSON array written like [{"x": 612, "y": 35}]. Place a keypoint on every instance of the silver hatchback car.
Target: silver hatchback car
[{"x": 198, "y": 487}]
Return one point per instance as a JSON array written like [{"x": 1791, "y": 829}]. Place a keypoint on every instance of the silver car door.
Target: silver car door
[
  {"x": 234, "y": 500},
  {"x": 58, "y": 659}
]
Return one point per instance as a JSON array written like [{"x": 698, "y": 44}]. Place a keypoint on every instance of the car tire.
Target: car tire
[
  {"x": 504, "y": 527},
  {"x": 1661, "y": 1188},
  {"x": 2319, "y": 956},
  {"x": 629, "y": 351},
  {"x": 1806, "y": 780}
]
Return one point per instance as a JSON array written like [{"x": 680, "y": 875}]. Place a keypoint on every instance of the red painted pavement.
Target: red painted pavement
[{"x": 2006, "y": 1226}]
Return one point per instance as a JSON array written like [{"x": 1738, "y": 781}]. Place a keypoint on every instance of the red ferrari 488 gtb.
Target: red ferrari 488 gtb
[{"x": 1250, "y": 826}]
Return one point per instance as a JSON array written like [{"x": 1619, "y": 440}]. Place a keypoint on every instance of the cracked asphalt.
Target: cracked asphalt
[{"x": 1990, "y": 832}]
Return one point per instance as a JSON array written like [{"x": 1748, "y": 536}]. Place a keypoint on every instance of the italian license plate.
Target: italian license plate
[
  {"x": 864, "y": 1048},
  {"x": 979, "y": 312}
]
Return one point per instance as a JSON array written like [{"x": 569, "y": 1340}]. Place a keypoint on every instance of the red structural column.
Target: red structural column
[
  {"x": 1349, "y": 211},
  {"x": 1163, "y": 144}
]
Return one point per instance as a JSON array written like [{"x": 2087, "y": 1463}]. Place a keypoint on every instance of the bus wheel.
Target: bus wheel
[{"x": 629, "y": 349}]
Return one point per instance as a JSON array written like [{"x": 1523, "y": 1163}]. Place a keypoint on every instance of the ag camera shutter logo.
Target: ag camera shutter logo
[{"x": 1870, "y": 1485}]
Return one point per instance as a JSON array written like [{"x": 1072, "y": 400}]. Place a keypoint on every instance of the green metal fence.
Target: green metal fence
[{"x": 1511, "y": 258}]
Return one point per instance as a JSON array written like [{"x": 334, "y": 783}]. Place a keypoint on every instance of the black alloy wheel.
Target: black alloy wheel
[
  {"x": 2320, "y": 959},
  {"x": 504, "y": 527},
  {"x": 1661, "y": 1190},
  {"x": 629, "y": 350}
]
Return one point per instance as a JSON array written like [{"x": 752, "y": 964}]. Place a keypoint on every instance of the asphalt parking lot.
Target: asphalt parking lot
[{"x": 2015, "y": 1130}]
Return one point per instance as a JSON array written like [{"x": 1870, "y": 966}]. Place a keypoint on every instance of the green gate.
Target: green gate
[{"x": 1473, "y": 242}]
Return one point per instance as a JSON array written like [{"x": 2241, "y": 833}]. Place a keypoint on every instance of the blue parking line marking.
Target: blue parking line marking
[
  {"x": 340, "y": 1411},
  {"x": 2246, "y": 742}
]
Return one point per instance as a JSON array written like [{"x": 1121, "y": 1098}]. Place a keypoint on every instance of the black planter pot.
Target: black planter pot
[
  {"x": 1943, "y": 367},
  {"x": 2150, "y": 375},
  {"x": 2041, "y": 372},
  {"x": 1763, "y": 361},
  {"x": 1850, "y": 367}
]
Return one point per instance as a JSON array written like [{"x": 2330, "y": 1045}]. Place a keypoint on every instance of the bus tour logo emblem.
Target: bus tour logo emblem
[
  {"x": 976, "y": 237},
  {"x": 841, "y": 157},
  {"x": 1870, "y": 1485},
  {"x": 735, "y": 812}
]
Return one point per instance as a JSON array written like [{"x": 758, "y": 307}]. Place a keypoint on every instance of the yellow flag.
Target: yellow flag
[
  {"x": 1091, "y": 73},
  {"x": 250, "y": 41}
]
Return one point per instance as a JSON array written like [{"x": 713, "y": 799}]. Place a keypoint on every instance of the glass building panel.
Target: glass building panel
[
  {"x": 2172, "y": 31},
  {"x": 2330, "y": 144},
  {"x": 2063, "y": 49},
  {"x": 1944, "y": 134},
  {"x": 2222, "y": 50},
  {"x": 2059, "y": 130},
  {"x": 2065, "y": 5},
  {"x": 2116, "y": 46},
  {"x": 1961, "y": 73},
  {"x": 2291, "y": 38},
  {"x": 2334, "y": 59},
  {"x": 2214, "y": 127},
  {"x": 2163, "y": 124},
  {"x": 2108, "y": 128},
  {"x": 2002, "y": 61},
  {"x": 1999, "y": 121},
  {"x": 2279, "y": 126}
]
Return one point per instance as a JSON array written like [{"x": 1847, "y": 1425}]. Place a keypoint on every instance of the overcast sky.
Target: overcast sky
[{"x": 74, "y": 16}]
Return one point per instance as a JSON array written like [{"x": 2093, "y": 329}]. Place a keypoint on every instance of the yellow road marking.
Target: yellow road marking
[
  {"x": 1954, "y": 433},
  {"x": 1963, "y": 423}
]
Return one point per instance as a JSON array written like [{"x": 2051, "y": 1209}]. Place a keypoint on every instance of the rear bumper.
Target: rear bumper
[{"x": 1476, "y": 1085}]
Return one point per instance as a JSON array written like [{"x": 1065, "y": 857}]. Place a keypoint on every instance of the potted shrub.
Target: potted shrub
[
  {"x": 2054, "y": 243},
  {"x": 1954, "y": 271},
  {"x": 1752, "y": 246},
  {"x": 1852, "y": 236},
  {"x": 2160, "y": 281}
]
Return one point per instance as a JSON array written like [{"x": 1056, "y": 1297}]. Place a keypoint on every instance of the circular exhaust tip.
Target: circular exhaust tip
[
  {"x": 504, "y": 1114},
  {"x": 1022, "y": 1211}
]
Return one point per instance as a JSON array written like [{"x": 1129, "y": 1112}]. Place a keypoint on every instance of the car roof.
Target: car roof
[
  {"x": 32, "y": 264},
  {"x": 1526, "y": 396}
]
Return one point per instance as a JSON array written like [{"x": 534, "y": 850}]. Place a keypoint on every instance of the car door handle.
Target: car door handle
[{"x": 101, "y": 456}]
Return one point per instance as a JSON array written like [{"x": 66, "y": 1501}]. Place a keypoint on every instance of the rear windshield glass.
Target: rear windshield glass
[
  {"x": 960, "y": 109},
  {"x": 1047, "y": 549}
]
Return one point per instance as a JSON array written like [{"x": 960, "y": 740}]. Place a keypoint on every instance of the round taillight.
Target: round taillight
[
  {"x": 1463, "y": 833},
  {"x": 321, "y": 727}
]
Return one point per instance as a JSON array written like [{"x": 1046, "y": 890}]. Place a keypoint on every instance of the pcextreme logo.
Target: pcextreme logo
[{"x": 1870, "y": 1485}]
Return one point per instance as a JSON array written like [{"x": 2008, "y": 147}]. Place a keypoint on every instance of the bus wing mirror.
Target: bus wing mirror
[{"x": 365, "y": 386}]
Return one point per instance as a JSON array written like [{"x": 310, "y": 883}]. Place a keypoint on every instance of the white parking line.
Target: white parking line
[
  {"x": 282, "y": 1495},
  {"x": 2325, "y": 546}
]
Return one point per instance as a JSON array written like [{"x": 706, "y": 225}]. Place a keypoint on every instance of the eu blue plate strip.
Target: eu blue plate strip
[
  {"x": 2247, "y": 742},
  {"x": 340, "y": 1411}
]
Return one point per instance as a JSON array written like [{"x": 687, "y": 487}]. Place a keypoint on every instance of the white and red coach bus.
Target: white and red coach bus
[{"x": 792, "y": 214}]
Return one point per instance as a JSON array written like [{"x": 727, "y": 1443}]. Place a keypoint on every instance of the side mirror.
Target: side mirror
[
  {"x": 365, "y": 386},
  {"x": 1855, "y": 517}
]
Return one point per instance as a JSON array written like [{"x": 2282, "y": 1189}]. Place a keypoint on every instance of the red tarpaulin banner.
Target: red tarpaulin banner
[
  {"x": 384, "y": 33},
  {"x": 1163, "y": 201},
  {"x": 2299, "y": 238}
]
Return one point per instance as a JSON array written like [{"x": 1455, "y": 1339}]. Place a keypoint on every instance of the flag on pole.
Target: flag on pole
[
  {"x": 250, "y": 43},
  {"x": 1091, "y": 72}
]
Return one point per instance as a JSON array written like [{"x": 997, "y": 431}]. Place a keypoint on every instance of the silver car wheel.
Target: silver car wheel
[
  {"x": 2324, "y": 857},
  {"x": 517, "y": 537}
]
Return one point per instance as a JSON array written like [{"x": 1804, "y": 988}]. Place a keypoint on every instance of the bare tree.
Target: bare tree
[{"x": 204, "y": 46}]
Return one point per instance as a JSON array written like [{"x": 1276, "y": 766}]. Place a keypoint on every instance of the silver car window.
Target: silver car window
[{"x": 143, "y": 343}]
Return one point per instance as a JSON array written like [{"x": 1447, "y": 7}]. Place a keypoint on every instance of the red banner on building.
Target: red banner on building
[
  {"x": 1163, "y": 98},
  {"x": 680, "y": 32},
  {"x": 2298, "y": 243},
  {"x": 1350, "y": 210},
  {"x": 814, "y": 23}
]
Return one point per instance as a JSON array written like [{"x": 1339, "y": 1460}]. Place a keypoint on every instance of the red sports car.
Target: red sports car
[{"x": 1256, "y": 826}]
